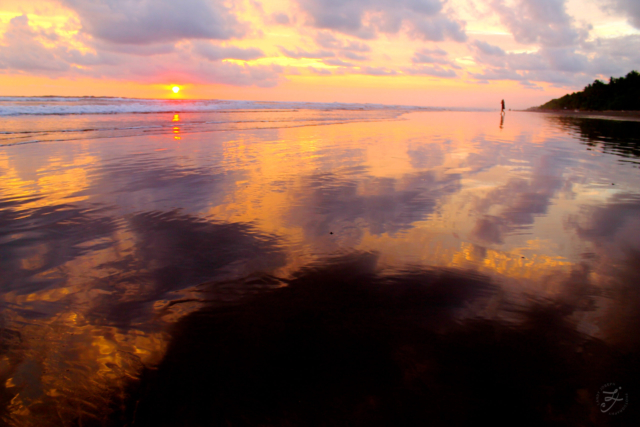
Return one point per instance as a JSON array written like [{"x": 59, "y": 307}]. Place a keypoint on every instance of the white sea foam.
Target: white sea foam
[
  {"x": 18, "y": 106},
  {"x": 27, "y": 120}
]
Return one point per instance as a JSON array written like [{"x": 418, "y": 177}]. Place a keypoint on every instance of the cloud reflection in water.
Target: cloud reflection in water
[{"x": 472, "y": 260}]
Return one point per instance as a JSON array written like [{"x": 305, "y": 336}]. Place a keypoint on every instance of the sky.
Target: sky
[{"x": 449, "y": 53}]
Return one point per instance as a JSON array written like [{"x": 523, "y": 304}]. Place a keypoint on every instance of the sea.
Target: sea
[{"x": 239, "y": 263}]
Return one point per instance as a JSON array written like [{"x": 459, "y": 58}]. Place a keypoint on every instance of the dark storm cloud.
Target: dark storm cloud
[
  {"x": 215, "y": 52},
  {"x": 366, "y": 18},
  {"x": 157, "y": 21}
]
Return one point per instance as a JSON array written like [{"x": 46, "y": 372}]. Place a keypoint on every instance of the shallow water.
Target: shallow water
[{"x": 419, "y": 266}]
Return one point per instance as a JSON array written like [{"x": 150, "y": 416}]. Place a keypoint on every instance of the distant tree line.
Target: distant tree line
[{"x": 622, "y": 93}]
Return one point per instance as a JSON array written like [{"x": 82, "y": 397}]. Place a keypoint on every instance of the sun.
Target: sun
[{"x": 175, "y": 89}]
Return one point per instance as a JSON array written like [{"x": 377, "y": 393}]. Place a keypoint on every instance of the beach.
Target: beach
[
  {"x": 619, "y": 115},
  {"x": 289, "y": 264}
]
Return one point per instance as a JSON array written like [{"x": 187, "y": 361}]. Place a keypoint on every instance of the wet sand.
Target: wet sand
[
  {"x": 440, "y": 269},
  {"x": 346, "y": 345},
  {"x": 627, "y": 115}
]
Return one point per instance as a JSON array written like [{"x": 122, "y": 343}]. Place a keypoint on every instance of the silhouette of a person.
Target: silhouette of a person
[{"x": 502, "y": 111}]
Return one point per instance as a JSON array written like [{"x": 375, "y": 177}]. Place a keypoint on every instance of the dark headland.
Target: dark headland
[{"x": 618, "y": 98}]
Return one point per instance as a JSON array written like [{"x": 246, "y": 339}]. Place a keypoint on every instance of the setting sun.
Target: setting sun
[{"x": 175, "y": 89}]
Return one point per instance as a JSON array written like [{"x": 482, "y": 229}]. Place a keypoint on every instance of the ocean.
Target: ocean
[
  {"x": 259, "y": 263},
  {"x": 36, "y": 119}
]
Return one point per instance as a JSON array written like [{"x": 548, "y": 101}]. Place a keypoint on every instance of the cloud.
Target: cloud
[
  {"x": 215, "y": 52},
  {"x": 191, "y": 71},
  {"x": 497, "y": 74},
  {"x": 366, "y": 18},
  {"x": 337, "y": 62},
  {"x": 23, "y": 49},
  {"x": 348, "y": 49},
  {"x": 628, "y": 8},
  {"x": 298, "y": 54},
  {"x": 570, "y": 66},
  {"x": 236, "y": 74},
  {"x": 281, "y": 18},
  {"x": 614, "y": 56},
  {"x": 539, "y": 21},
  {"x": 435, "y": 71},
  {"x": 328, "y": 41},
  {"x": 377, "y": 71},
  {"x": 156, "y": 21},
  {"x": 613, "y": 229},
  {"x": 528, "y": 85},
  {"x": 430, "y": 56},
  {"x": 427, "y": 155},
  {"x": 379, "y": 205},
  {"x": 320, "y": 71},
  {"x": 354, "y": 56},
  {"x": 563, "y": 55},
  {"x": 133, "y": 49},
  {"x": 438, "y": 28},
  {"x": 488, "y": 49},
  {"x": 563, "y": 59},
  {"x": 515, "y": 205},
  {"x": 534, "y": 61},
  {"x": 564, "y": 66}
]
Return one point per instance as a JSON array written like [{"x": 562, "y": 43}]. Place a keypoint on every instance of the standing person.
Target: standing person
[{"x": 502, "y": 112}]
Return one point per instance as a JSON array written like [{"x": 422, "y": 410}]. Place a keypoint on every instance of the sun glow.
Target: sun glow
[{"x": 175, "y": 89}]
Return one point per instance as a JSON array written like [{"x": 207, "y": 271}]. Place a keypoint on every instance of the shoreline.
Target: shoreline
[{"x": 630, "y": 115}]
